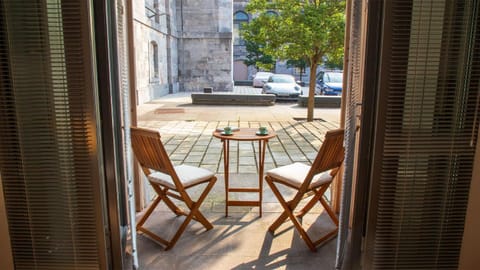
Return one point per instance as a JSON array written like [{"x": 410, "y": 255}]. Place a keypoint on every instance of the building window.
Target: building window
[
  {"x": 154, "y": 61},
  {"x": 238, "y": 18}
]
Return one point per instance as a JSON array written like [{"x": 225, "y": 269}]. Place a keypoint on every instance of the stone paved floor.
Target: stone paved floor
[
  {"x": 240, "y": 241},
  {"x": 191, "y": 142}
]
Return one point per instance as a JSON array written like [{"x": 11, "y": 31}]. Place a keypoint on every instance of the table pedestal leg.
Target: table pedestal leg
[
  {"x": 226, "y": 158},
  {"x": 261, "y": 162}
]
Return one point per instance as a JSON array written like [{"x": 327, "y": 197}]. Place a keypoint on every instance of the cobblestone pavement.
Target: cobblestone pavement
[
  {"x": 241, "y": 240},
  {"x": 186, "y": 131}
]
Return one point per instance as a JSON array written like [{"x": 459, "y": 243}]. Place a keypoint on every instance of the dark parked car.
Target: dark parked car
[
  {"x": 329, "y": 83},
  {"x": 283, "y": 86}
]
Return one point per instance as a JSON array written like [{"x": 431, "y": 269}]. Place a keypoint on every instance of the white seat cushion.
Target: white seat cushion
[
  {"x": 294, "y": 175},
  {"x": 188, "y": 175}
]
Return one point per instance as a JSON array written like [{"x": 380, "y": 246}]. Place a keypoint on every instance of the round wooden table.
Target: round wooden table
[{"x": 244, "y": 134}]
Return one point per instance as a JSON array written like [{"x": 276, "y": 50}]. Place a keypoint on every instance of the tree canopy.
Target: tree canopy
[
  {"x": 299, "y": 29},
  {"x": 257, "y": 58}
]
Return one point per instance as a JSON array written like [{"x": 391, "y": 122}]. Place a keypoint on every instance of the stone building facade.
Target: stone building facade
[
  {"x": 205, "y": 47},
  {"x": 182, "y": 45},
  {"x": 155, "y": 42}
]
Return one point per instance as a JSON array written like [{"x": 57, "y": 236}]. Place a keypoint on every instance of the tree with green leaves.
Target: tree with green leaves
[
  {"x": 299, "y": 29},
  {"x": 256, "y": 56}
]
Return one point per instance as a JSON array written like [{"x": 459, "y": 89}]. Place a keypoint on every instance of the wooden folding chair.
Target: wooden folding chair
[
  {"x": 309, "y": 181},
  {"x": 169, "y": 181}
]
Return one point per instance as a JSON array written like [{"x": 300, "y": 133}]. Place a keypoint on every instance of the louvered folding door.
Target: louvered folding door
[
  {"x": 51, "y": 161},
  {"x": 425, "y": 131}
]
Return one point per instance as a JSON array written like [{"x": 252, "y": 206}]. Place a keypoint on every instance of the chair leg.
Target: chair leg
[
  {"x": 281, "y": 219},
  {"x": 179, "y": 232},
  {"x": 163, "y": 194},
  {"x": 148, "y": 212},
  {"x": 318, "y": 195},
  {"x": 144, "y": 218},
  {"x": 194, "y": 211},
  {"x": 193, "y": 214},
  {"x": 153, "y": 236},
  {"x": 288, "y": 213},
  {"x": 289, "y": 207},
  {"x": 201, "y": 218},
  {"x": 326, "y": 237},
  {"x": 329, "y": 210},
  {"x": 198, "y": 216},
  {"x": 302, "y": 232}
]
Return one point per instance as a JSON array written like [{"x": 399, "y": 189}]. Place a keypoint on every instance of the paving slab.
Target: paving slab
[{"x": 240, "y": 241}]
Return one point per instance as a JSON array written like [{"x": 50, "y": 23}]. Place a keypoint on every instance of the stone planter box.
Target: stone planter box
[
  {"x": 233, "y": 99},
  {"x": 322, "y": 101}
]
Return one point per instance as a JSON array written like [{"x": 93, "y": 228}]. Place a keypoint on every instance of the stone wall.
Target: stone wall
[
  {"x": 192, "y": 40},
  {"x": 205, "y": 47},
  {"x": 154, "y": 25}
]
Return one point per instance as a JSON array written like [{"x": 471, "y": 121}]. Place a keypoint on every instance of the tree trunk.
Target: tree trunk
[{"x": 311, "y": 90}]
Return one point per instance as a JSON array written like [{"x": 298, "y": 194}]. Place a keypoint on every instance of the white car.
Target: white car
[
  {"x": 260, "y": 78},
  {"x": 282, "y": 86}
]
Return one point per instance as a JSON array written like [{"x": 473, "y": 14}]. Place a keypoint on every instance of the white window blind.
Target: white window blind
[
  {"x": 49, "y": 149},
  {"x": 425, "y": 132}
]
